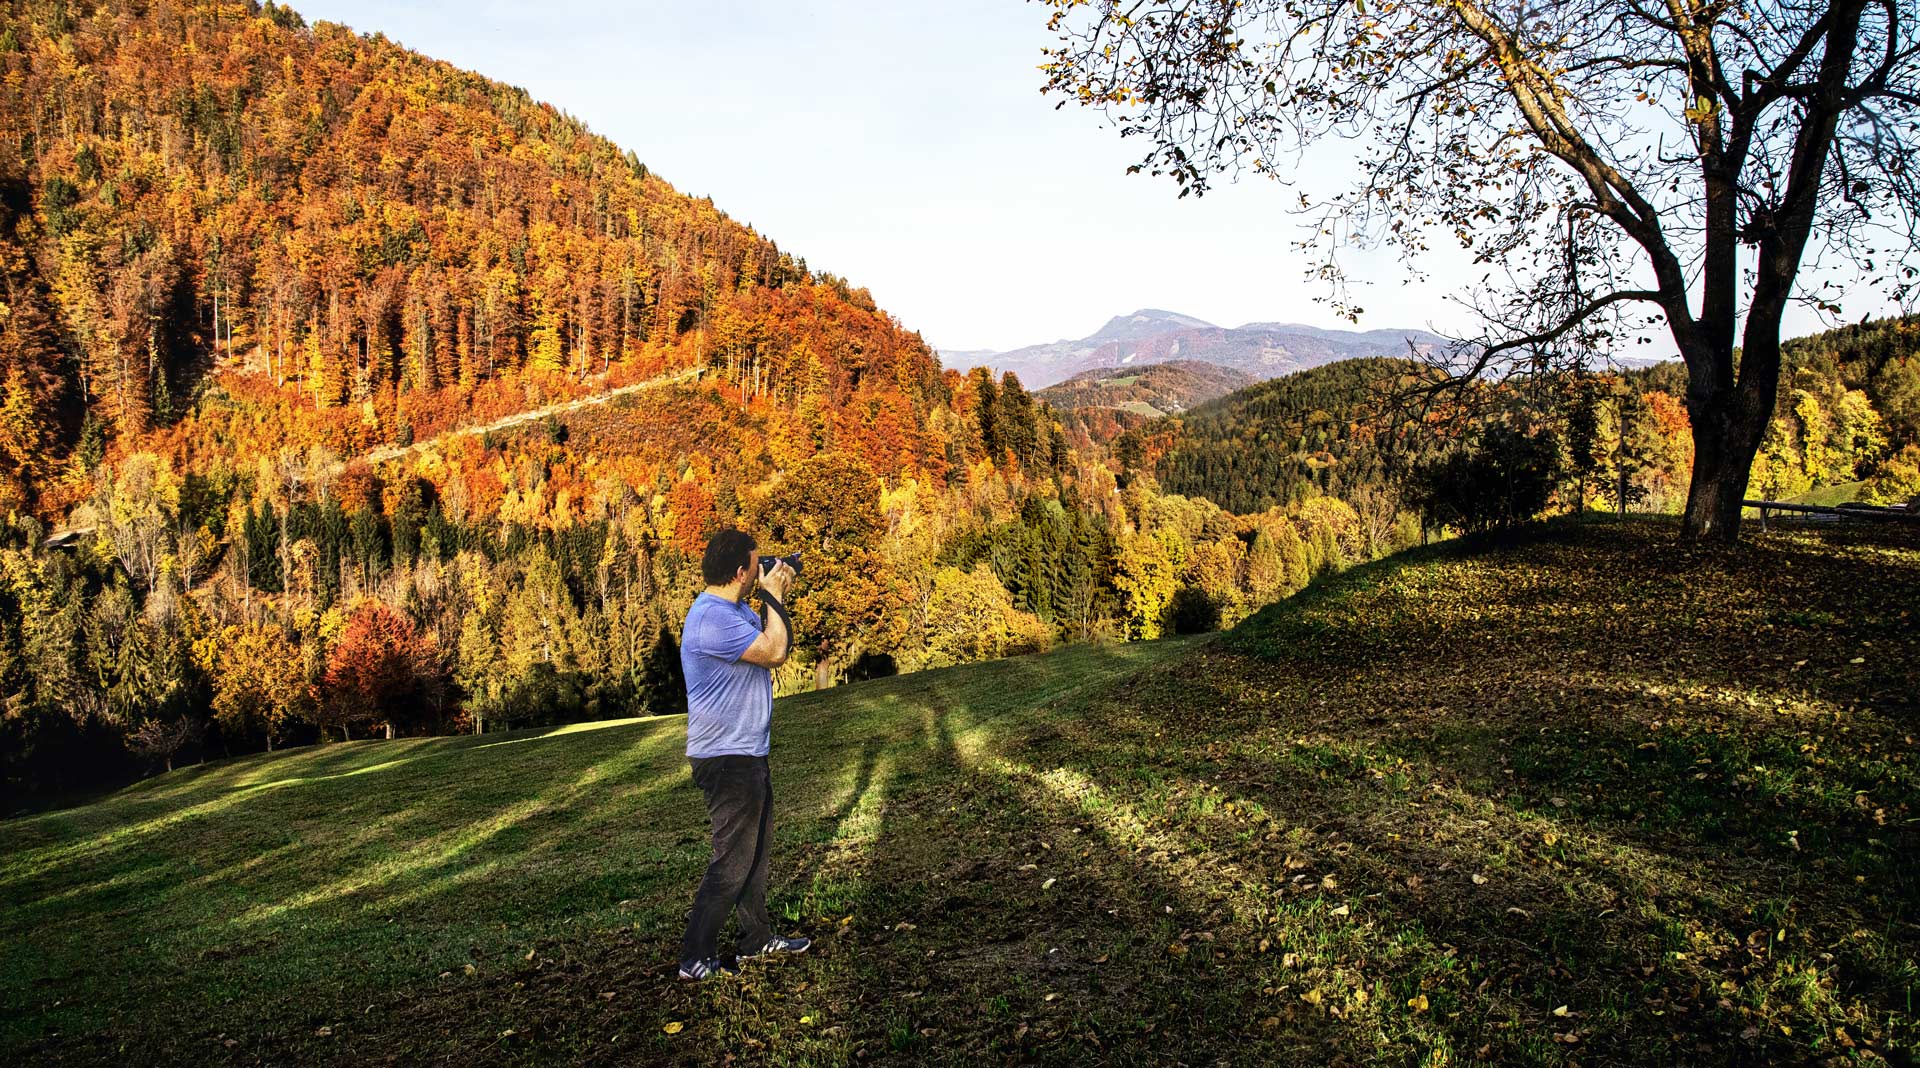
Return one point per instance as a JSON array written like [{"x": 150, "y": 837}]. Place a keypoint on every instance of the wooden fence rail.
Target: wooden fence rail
[{"x": 1836, "y": 512}]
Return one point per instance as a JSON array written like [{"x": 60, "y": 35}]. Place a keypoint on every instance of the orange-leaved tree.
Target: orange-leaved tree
[{"x": 383, "y": 670}]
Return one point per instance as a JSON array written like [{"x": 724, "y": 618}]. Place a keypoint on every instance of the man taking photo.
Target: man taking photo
[{"x": 728, "y": 653}]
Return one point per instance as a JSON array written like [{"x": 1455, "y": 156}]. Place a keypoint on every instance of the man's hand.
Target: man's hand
[{"x": 777, "y": 581}]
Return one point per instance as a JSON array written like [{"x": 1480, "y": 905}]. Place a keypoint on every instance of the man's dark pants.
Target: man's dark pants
[{"x": 740, "y": 805}]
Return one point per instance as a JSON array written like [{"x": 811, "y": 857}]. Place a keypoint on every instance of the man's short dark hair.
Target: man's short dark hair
[{"x": 727, "y": 552}]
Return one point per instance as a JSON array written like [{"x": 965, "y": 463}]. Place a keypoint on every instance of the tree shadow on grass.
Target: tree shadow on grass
[
  {"x": 1584, "y": 897},
  {"x": 66, "y": 850},
  {"x": 331, "y": 758},
  {"x": 900, "y": 749},
  {"x": 953, "y": 948},
  {"x": 68, "y": 837},
  {"x": 1410, "y": 857},
  {"x": 542, "y": 849},
  {"x": 190, "y": 904},
  {"x": 966, "y": 936}
]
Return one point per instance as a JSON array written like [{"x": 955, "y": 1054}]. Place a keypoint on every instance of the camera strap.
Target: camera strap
[{"x": 768, "y": 601}]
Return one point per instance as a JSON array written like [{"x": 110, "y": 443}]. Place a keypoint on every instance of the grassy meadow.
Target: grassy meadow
[{"x": 1588, "y": 796}]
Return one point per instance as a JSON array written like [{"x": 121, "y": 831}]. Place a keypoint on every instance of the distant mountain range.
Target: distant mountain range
[{"x": 1151, "y": 335}]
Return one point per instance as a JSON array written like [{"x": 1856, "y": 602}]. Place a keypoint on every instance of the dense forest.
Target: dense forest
[
  {"x": 1848, "y": 410},
  {"x": 1847, "y": 417},
  {"x": 392, "y": 243},
  {"x": 1313, "y": 433},
  {"x": 1150, "y": 390}
]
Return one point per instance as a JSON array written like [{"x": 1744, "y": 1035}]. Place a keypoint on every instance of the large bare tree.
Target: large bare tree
[{"x": 1612, "y": 164}]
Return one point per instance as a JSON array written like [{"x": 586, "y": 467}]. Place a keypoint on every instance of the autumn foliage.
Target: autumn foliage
[{"x": 382, "y": 669}]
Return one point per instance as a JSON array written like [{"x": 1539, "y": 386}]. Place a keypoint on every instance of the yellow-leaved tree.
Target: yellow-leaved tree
[{"x": 260, "y": 682}]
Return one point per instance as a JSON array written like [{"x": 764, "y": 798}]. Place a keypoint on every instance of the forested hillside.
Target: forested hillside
[
  {"x": 390, "y": 243},
  {"x": 278, "y": 299},
  {"x": 1154, "y": 389},
  {"x": 1848, "y": 410},
  {"x": 1847, "y": 415},
  {"x": 1280, "y": 442}
]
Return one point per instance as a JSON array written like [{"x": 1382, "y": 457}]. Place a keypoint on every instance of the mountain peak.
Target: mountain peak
[
  {"x": 1145, "y": 323},
  {"x": 1155, "y": 335}
]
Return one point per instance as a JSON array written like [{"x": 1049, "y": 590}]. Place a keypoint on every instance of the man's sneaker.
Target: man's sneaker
[
  {"x": 707, "y": 969},
  {"x": 777, "y": 944}
]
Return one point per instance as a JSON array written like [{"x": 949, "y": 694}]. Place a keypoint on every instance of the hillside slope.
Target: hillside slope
[
  {"x": 1591, "y": 797},
  {"x": 226, "y": 231},
  {"x": 1152, "y": 390},
  {"x": 1278, "y": 442},
  {"x": 264, "y": 286}
]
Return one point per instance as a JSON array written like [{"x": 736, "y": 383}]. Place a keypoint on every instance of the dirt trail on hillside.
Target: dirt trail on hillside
[
  {"x": 68, "y": 535},
  {"x": 394, "y": 452}
]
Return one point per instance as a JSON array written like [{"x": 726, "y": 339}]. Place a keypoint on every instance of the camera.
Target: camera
[{"x": 768, "y": 563}]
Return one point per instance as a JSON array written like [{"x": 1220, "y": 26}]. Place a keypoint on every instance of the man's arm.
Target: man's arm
[{"x": 774, "y": 644}]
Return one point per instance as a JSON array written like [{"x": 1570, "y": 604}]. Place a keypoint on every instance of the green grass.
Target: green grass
[
  {"x": 1590, "y": 797},
  {"x": 1828, "y": 496}
]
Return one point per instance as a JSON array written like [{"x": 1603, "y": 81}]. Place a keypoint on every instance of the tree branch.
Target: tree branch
[
  {"x": 1617, "y": 197},
  {"x": 1568, "y": 322}
]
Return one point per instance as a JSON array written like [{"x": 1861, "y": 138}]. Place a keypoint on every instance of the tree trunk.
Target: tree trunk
[
  {"x": 346, "y": 732},
  {"x": 1726, "y": 435},
  {"x": 389, "y": 730},
  {"x": 1730, "y": 419}
]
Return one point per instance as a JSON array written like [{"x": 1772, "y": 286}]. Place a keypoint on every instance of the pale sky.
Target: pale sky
[{"x": 906, "y": 147}]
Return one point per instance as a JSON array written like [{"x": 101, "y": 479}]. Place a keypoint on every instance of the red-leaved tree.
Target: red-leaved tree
[{"x": 383, "y": 670}]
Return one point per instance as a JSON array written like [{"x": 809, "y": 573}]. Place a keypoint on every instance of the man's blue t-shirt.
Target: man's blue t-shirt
[{"x": 729, "y": 701}]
